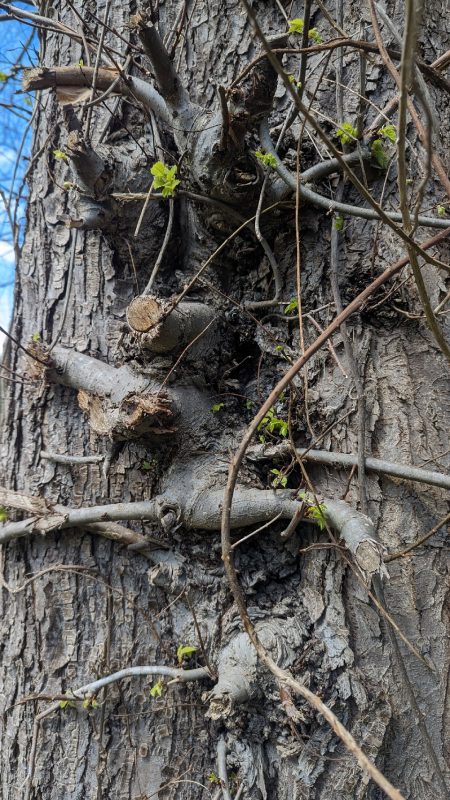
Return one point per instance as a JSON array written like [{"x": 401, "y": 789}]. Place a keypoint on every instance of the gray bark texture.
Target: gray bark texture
[{"x": 164, "y": 417}]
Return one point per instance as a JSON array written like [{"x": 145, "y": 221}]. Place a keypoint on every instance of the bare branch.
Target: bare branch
[
  {"x": 378, "y": 465},
  {"x": 77, "y": 77},
  {"x": 375, "y": 213},
  {"x": 59, "y": 458}
]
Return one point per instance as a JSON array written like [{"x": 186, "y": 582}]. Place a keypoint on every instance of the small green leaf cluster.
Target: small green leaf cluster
[
  {"x": 339, "y": 223},
  {"x": 291, "y": 306},
  {"x": 298, "y": 25},
  {"x": 70, "y": 702},
  {"x": 379, "y": 153},
  {"x": 60, "y": 155},
  {"x": 185, "y": 651},
  {"x": 3, "y": 514},
  {"x": 217, "y": 407},
  {"x": 3, "y": 76},
  {"x": 279, "y": 480},
  {"x": 314, "y": 34},
  {"x": 313, "y": 511},
  {"x": 377, "y": 148},
  {"x": 213, "y": 778},
  {"x": 441, "y": 211},
  {"x": 157, "y": 689},
  {"x": 346, "y": 132},
  {"x": 164, "y": 178},
  {"x": 267, "y": 159},
  {"x": 273, "y": 424},
  {"x": 147, "y": 466},
  {"x": 90, "y": 702},
  {"x": 389, "y": 132}
]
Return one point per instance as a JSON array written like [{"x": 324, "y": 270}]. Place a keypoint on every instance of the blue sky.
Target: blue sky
[{"x": 15, "y": 110}]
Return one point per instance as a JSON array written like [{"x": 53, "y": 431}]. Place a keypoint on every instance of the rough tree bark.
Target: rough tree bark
[{"x": 169, "y": 397}]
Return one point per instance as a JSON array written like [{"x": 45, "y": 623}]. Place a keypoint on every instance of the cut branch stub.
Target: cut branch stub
[
  {"x": 136, "y": 415},
  {"x": 120, "y": 402},
  {"x": 91, "y": 173},
  {"x": 162, "y": 330},
  {"x": 92, "y": 177}
]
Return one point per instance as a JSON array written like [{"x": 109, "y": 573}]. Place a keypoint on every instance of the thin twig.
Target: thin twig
[
  {"x": 59, "y": 458},
  {"x": 222, "y": 768},
  {"x": 164, "y": 245},
  {"x": 418, "y": 542}
]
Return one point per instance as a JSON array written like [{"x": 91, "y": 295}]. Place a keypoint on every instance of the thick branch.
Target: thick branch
[
  {"x": 79, "y": 77},
  {"x": 50, "y": 516},
  {"x": 119, "y": 402},
  {"x": 236, "y": 671},
  {"x": 199, "y": 508},
  {"x": 90, "y": 170},
  {"x": 167, "y": 78},
  {"x": 161, "y": 329}
]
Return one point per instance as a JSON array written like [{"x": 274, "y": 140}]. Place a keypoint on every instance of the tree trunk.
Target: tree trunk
[{"x": 166, "y": 409}]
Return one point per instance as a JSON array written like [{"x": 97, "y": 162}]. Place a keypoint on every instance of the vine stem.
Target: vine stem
[{"x": 237, "y": 459}]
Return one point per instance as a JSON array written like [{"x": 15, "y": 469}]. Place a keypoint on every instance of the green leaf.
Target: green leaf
[
  {"x": 68, "y": 185},
  {"x": 217, "y": 407},
  {"x": 90, "y": 702},
  {"x": 268, "y": 159},
  {"x": 165, "y": 178},
  {"x": 3, "y": 514},
  {"x": 379, "y": 153},
  {"x": 296, "y": 25},
  {"x": 339, "y": 223},
  {"x": 291, "y": 306},
  {"x": 36, "y": 337},
  {"x": 60, "y": 155},
  {"x": 314, "y": 34},
  {"x": 279, "y": 480},
  {"x": 346, "y": 132},
  {"x": 389, "y": 132},
  {"x": 69, "y": 703},
  {"x": 146, "y": 465},
  {"x": 279, "y": 348},
  {"x": 272, "y": 424},
  {"x": 249, "y": 404},
  {"x": 185, "y": 651},
  {"x": 158, "y": 170},
  {"x": 157, "y": 689},
  {"x": 440, "y": 210},
  {"x": 317, "y": 513},
  {"x": 213, "y": 778},
  {"x": 3, "y": 76},
  {"x": 27, "y": 101},
  {"x": 314, "y": 512},
  {"x": 81, "y": 63}
]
